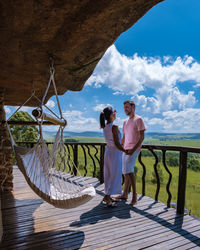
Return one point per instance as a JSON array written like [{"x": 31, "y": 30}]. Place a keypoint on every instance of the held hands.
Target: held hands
[{"x": 129, "y": 151}]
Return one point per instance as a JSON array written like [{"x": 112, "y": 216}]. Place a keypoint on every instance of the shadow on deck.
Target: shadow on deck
[{"x": 31, "y": 223}]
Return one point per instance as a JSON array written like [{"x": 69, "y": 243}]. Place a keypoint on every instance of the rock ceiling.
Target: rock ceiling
[{"x": 75, "y": 33}]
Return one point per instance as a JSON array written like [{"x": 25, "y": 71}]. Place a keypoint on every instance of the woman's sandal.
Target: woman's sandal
[
  {"x": 106, "y": 200},
  {"x": 109, "y": 202}
]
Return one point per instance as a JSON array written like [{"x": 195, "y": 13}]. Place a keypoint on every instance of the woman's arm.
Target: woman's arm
[
  {"x": 115, "y": 132},
  {"x": 123, "y": 139}
]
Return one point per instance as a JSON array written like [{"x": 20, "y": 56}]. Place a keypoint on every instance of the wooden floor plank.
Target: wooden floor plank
[
  {"x": 177, "y": 242},
  {"x": 108, "y": 224},
  {"x": 137, "y": 239},
  {"x": 31, "y": 223}
]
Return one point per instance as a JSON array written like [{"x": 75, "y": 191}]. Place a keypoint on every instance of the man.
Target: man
[{"x": 133, "y": 130}]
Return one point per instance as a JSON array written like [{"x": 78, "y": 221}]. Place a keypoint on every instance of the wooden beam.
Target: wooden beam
[
  {"x": 39, "y": 114},
  {"x": 27, "y": 123}
]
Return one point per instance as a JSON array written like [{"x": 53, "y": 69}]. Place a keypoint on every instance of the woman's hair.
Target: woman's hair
[{"x": 105, "y": 116}]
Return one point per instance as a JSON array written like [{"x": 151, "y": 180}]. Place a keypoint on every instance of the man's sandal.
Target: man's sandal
[
  {"x": 121, "y": 197},
  {"x": 134, "y": 201}
]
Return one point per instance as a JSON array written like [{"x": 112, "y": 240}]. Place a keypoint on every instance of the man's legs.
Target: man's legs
[
  {"x": 129, "y": 180},
  {"x": 132, "y": 181},
  {"x": 126, "y": 186}
]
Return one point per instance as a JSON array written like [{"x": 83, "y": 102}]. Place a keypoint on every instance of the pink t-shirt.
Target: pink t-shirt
[{"x": 131, "y": 130}]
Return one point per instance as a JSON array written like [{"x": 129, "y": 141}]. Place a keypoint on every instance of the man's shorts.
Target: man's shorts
[{"x": 128, "y": 162}]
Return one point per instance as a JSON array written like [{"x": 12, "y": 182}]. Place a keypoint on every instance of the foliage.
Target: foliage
[
  {"x": 172, "y": 160},
  {"x": 70, "y": 140},
  {"x": 194, "y": 164},
  {"x": 23, "y": 133},
  {"x": 135, "y": 170},
  {"x": 147, "y": 152}
]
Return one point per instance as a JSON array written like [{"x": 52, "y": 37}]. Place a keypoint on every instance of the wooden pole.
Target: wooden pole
[
  {"x": 75, "y": 152},
  {"x": 102, "y": 151},
  {"x": 39, "y": 114},
  {"x": 182, "y": 183}
]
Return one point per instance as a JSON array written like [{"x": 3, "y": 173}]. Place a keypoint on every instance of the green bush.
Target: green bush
[
  {"x": 194, "y": 165},
  {"x": 172, "y": 161}
]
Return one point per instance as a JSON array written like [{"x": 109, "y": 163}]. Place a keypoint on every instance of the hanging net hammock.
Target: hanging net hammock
[{"x": 43, "y": 166}]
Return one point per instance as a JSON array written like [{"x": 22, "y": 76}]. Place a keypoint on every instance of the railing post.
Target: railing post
[
  {"x": 102, "y": 150},
  {"x": 182, "y": 183},
  {"x": 144, "y": 173},
  {"x": 75, "y": 153}
]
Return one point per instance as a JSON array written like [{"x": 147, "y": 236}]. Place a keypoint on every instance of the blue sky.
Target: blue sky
[{"x": 156, "y": 63}]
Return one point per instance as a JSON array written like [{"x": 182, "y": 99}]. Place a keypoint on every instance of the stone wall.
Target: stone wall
[
  {"x": 6, "y": 165},
  {"x": 1, "y": 227}
]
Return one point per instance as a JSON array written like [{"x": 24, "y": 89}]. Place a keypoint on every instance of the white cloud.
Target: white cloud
[
  {"x": 50, "y": 104},
  {"x": 77, "y": 122},
  {"x": 172, "y": 121},
  {"x": 10, "y": 110},
  {"x": 197, "y": 85},
  {"x": 26, "y": 109},
  {"x": 100, "y": 107},
  {"x": 131, "y": 75},
  {"x": 7, "y": 110},
  {"x": 166, "y": 101}
]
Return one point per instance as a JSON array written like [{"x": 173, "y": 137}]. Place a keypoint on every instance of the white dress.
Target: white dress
[{"x": 112, "y": 163}]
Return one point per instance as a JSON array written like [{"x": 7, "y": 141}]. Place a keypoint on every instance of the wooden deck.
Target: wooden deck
[{"x": 31, "y": 223}]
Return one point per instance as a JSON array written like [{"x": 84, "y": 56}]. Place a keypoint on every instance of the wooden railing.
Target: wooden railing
[
  {"x": 94, "y": 152},
  {"x": 183, "y": 154}
]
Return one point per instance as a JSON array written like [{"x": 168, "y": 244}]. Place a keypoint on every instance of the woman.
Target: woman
[{"x": 112, "y": 156}]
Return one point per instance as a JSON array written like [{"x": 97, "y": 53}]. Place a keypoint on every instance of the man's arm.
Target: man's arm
[{"x": 131, "y": 151}]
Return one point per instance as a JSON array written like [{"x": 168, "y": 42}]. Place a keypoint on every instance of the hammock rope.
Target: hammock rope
[{"x": 44, "y": 168}]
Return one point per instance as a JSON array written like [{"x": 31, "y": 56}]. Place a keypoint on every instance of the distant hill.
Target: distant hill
[
  {"x": 48, "y": 134},
  {"x": 173, "y": 136},
  {"x": 148, "y": 135}
]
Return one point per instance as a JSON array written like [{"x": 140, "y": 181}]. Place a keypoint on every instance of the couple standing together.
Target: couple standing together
[{"x": 117, "y": 163}]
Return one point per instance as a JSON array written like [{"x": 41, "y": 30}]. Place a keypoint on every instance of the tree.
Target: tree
[
  {"x": 194, "y": 164},
  {"x": 23, "y": 133},
  {"x": 172, "y": 161},
  {"x": 70, "y": 140}
]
